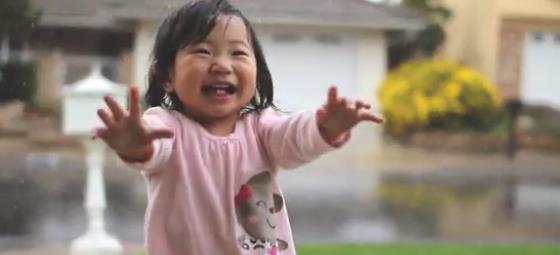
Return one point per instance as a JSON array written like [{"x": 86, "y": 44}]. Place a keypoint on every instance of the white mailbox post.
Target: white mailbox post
[{"x": 80, "y": 103}]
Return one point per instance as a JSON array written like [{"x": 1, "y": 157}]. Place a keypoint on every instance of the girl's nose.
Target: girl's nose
[{"x": 221, "y": 65}]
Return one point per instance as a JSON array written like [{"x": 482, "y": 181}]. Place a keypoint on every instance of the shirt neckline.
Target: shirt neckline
[{"x": 231, "y": 136}]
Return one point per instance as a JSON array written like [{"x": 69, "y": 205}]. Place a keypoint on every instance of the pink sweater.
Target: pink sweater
[{"x": 218, "y": 195}]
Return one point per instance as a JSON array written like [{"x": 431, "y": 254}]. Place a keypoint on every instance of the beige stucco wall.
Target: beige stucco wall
[
  {"x": 372, "y": 64},
  {"x": 49, "y": 78},
  {"x": 143, "y": 44},
  {"x": 474, "y": 32}
]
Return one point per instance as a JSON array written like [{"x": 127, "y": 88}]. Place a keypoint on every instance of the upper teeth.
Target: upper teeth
[
  {"x": 221, "y": 86},
  {"x": 227, "y": 87}
]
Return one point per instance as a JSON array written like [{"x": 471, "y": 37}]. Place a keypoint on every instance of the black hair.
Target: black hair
[{"x": 191, "y": 24}]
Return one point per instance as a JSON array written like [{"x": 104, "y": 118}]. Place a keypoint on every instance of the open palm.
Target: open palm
[
  {"x": 124, "y": 130},
  {"x": 338, "y": 115}
]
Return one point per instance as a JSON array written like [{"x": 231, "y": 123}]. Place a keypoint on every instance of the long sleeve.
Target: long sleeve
[
  {"x": 157, "y": 118},
  {"x": 291, "y": 140}
]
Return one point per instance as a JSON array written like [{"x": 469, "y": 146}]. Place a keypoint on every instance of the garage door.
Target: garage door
[
  {"x": 541, "y": 65},
  {"x": 304, "y": 64}
]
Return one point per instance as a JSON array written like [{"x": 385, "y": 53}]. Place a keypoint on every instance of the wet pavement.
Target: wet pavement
[{"x": 351, "y": 195}]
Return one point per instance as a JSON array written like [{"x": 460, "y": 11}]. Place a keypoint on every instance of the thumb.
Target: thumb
[
  {"x": 321, "y": 114},
  {"x": 367, "y": 116}
]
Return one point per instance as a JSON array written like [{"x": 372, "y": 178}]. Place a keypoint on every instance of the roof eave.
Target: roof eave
[
  {"x": 76, "y": 21},
  {"x": 351, "y": 25}
]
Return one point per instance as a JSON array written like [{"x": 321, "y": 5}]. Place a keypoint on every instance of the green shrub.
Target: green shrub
[
  {"x": 17, "y": 81},
  {"x": 437, "y": 94}
]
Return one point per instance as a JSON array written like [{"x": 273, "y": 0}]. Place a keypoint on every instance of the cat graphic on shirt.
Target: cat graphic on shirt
[{"x": 255, "y": 207}]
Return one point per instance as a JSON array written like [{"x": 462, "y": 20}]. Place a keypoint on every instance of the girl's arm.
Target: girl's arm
[{"x": 291, "y": 141}]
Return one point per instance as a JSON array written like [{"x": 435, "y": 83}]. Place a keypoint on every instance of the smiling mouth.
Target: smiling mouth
[
  {"x": 269, "y": 224},
  {"x": 219, "y": 89}
]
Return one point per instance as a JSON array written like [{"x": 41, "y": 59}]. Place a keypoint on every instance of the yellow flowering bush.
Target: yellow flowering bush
[{"x": 437, "y": 94}]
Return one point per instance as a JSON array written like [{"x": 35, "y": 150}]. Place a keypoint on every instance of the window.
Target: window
[
  {"x": 538, "y": 37},
  {"x": 78, "y": 67},
  {"x": 13, "y": 49},
  {"x": 4, "y": 49}
]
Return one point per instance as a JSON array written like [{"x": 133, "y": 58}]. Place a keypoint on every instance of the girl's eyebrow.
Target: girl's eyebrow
[
  {"x": 197, "y": 44},
  {"x": 245, "y": 43},
  {"x": 232, "y": 41}
]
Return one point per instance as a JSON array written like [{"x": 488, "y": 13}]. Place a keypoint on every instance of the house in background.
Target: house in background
[
  {"x": 516, "y": 43},
  {"x": 309, "y": 44}
]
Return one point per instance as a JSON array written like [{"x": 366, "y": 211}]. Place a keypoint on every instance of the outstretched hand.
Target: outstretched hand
[
  {"x": 124, "y": 130},
  {"x": 339, "y": 115}
]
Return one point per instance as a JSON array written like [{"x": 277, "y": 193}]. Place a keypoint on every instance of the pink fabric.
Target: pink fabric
[{"x": 196, "y": 200}]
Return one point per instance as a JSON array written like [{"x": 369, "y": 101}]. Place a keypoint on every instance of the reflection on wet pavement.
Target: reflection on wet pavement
[{"x": 327, "y": 201}]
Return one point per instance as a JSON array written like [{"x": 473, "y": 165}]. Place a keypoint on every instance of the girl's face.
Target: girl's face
[{"x": 214, "y": 79}]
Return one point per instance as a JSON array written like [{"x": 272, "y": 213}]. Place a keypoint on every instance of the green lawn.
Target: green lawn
[
  {"x": 428, "y": 249},
  {"x": 422, "y": 249}
]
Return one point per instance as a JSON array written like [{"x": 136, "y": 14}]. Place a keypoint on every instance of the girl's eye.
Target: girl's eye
[
  {"x": 202, "y": 51},
  {"x": 239, "y": 53}
]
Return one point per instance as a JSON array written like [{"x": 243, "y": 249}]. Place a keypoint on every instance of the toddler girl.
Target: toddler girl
[{"x": 213, "y": 142}]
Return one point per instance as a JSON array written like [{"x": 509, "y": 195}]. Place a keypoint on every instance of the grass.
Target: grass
[
  {"x": 423, "y": 249},
  {"x": 428, "y": 249}
]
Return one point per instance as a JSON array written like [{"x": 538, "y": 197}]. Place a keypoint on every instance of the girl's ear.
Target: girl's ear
[{"x": 168, "y": 87}]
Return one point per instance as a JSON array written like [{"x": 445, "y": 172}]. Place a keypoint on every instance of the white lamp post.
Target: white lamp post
[{"x": 80, "y": 104}]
